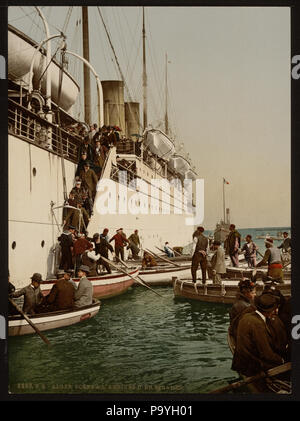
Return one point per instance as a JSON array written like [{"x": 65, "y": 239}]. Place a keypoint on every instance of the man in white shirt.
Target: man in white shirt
[{"x": 92, "y": 260}]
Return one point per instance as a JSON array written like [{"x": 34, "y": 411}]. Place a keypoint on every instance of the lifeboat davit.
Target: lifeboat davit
[
  {"x": 21, "y": 50},
  {"x": 191, "y": 174},
  {"x": 159, "y": 143},
  {"x": 179, "y": 164}
]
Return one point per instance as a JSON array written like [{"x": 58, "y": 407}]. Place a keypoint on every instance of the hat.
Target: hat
[
  {"x": 200, "y": 229},
  {"x": 69, "y": 271},
  {"x": 60, "y": 272},
  {"x": 232, "y": 226},
  {"x": 86, "y": 164},
  {"x": 84, "y": 268},
  {"x": 217, "y": 243},
  {"x": 117, "y": 128},
  {"x": 266, "y": 302},
  {"x": 78, "y": 181},
  {"x": 36, "y": 277},
  {"x": 246, "y": 284},
  {"x": 70, "y": 227},
  {"x": 269, "y": 241}
]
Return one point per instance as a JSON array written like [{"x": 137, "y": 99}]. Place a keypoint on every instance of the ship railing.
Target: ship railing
[
  {"x": 35, "y": 129},
  {"x": 128, "y": 147}
]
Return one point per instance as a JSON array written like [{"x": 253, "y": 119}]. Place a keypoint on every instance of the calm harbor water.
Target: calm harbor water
[{"x": 138, "y": 343}]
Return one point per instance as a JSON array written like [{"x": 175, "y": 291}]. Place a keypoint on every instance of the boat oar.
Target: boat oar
[
  {"x": 138, "y": 276},
  {"x": 125, "y": 272},
  {"x": 29, "y": 321},
  {"x": 270, "y": 373},
  {"x": 162, "y": 258}
]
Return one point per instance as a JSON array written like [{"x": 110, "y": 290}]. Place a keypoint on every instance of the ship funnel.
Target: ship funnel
[
  {"x": 132, "y": 118},
  {"x": 114, "y": 107}
]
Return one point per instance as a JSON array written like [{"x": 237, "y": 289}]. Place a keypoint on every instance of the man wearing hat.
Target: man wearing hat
[
  {"x": 286, "y": 245},
  {"x": 78, "y": 191},
  {"x": 61, "y": 296},
  {"x": 254, "y": 350},
  {"x": 199, "y": 255},
  {"x": 78, "y": 218},
  {"x": 218, "y": 262},
  {"x": 84, "y": 292},
  {"x": 272, "y": 258},
  {"x": 89, "y": 179},
  {"x": 33, "y": 296},
  {"x": 244, "y": 301},
  {"x": 66, "y": 244},
  {"x": 87, "y": 148},
  {"x": 233, "y": 243}
]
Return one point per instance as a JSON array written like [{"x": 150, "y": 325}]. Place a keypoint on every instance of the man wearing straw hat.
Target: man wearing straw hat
[{"x": 272, "y": 258}]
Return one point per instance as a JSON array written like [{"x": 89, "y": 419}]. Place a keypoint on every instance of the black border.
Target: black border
[{"x": 144, "y": 401}]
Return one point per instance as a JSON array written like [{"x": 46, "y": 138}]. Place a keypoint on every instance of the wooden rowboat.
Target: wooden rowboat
[
  {"x": 269, "y": 385},
  {"x": 17, "y": 325},
  {"x": 213, "y": 293},
  {"x": 245, "y": 272},
  {"x": 162, "y": 275},
  {"x": 104, "y": 286}
]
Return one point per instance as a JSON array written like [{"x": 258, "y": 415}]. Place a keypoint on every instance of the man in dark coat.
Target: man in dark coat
[
  {"x": 78, "y": 218},
  {"x": 244, "y": 301},
  {"x": 66, "y": 244},
  {"x": 254, "y": 351},
  {"x": 89, "y": 180},
  {"x": 233, "y": 243},
  {"x": 33, "y": 296},
  {"x": 61, "y": 296},
  {"x": 200, "y": 255}
]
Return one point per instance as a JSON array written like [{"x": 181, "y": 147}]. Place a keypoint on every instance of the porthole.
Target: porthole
[
  {"x": 42, "y": 243},
  {"x": 13, "y": 245},
  {"x": 34, "y": 171}
]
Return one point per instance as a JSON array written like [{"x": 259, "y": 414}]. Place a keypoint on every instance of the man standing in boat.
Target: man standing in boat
[
  {"x": 134, "y": 244},
  {"x": 84, "y": 292},
  {"x": 249, "y": 248},
  {"x": 272, "y": 258},
  {"x": 218, "y": 263},
  {"x": 66, "y": 244},
  {"x": 200, "y": 256},
  {"x": 120, "y": 242},
  {"x": 286, "y": 245},
  {"x": 233, "y": 243}
]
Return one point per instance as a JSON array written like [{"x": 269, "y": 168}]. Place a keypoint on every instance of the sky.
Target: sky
[{"x": 228, "y": 92}]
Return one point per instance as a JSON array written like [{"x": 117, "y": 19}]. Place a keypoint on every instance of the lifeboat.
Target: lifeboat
[
  {"x": 159, "y": 143},
  {"x": 21, "y": 50},
  {"x": 179, "y": 164}
]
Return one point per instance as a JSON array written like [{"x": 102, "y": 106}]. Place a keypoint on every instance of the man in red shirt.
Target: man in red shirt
[
  {"x": 120, "y": 243},
  {"x": 79, "y": 247}
]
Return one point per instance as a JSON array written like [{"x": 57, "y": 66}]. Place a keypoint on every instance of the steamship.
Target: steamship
[{"x": 43, "y": 160}]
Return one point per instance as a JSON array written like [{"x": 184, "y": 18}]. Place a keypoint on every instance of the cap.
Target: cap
[
  {"x": 36, "y": 277},
  {"x": 200, "y": 229},
  {"x": 246, "y": 284},
  {"x": 266, "y": 302},
  {"x": 71, "y": 227},
  {"x": 60, "y": 272},
  {"x": 84, "y": 268}
]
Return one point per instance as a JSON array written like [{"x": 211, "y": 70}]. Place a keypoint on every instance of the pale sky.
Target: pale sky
[{"x": 229, "y": 92}]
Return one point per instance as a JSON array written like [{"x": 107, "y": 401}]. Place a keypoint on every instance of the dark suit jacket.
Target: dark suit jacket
[{"x": 61, "y": 295}]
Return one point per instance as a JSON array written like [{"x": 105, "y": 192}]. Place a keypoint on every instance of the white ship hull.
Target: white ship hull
[{"x": 34, "y": 228}]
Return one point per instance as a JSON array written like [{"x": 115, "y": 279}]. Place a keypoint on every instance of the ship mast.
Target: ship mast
[
  {"x": 145, "y": 122},
  {"x": 86, "y": 70},
  {"x": 166, "y": 113}
]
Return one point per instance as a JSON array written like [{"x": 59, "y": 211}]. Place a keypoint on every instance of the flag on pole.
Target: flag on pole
[{"x": 225, "y": 182}]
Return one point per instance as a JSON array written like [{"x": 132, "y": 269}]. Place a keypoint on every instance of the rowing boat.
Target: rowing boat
[
  {"x": 17, "y": 325},
  {"x": 104, "y": 286},
  {"x": 214, "y": 293},
  {"x": 245, "y": 272},
  {"x": 162, "y": 275},
  {"x": 270, "y": 384}
]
